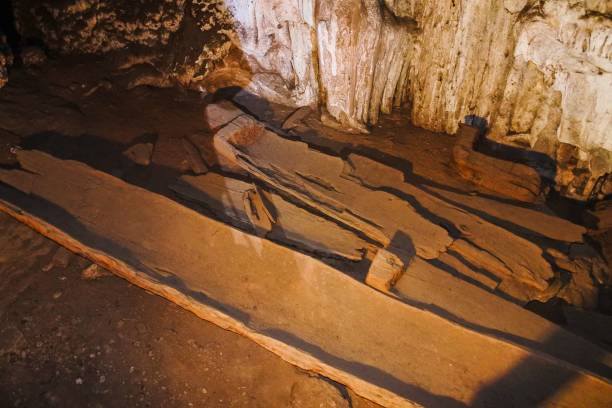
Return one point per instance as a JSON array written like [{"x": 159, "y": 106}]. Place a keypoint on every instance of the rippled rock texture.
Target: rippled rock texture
[{"x": 539, "y": 72}]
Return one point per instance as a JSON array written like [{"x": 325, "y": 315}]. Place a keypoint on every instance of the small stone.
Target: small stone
[
  {"x": 57, "y": 295},
  {"x": 93, "y": 272},
  {"x": 204, "y": 390},
  {"x": 385, "y": 270},
  {"x": 102, "y": 379},
  {"x": 140, "y": 153},
  {"x": 79, "y": 381}
]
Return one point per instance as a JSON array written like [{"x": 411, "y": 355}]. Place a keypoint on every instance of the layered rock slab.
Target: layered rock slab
[
  {"x": 513, "y": 180},
  {"x": 295, "y": 306},
  {"x": 290, "y": 224},
  {"x": 486, "y": 249},
  {"x": 433, "y": 288},
  {"x": 316, "y": 179},
  {"x": 493, "y": 252}
]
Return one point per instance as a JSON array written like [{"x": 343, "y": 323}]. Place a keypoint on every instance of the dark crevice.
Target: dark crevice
[{"x": 8, "y": 26}]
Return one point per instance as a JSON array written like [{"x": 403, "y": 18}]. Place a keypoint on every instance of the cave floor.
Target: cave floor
[{"x": 69, "y": 341}]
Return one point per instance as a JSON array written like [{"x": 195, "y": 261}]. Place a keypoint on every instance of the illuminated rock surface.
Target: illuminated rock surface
[
  {"x": 232, "y": 279},
  {"x": 539, "y": 72}
]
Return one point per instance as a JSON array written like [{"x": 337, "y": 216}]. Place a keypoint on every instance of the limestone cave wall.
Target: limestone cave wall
[{"x": 539, "y": 71}]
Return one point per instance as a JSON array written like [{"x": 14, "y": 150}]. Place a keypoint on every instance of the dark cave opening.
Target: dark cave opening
[{"x": 8, "y": 26}]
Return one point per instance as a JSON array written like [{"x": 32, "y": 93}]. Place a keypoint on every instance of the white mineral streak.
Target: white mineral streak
[
  {"x": 362, "y": 56},
  {"x": 276, "y": 37},
  {"x": 574, "y": 53},
  {"x": 460, "y": 61}
]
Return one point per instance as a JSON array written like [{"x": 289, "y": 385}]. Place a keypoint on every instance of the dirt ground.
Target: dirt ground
[{"x": 70, "y": 341}]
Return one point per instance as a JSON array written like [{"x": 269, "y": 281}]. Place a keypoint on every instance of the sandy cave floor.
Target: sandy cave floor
[{"x": 69, "y": 341}]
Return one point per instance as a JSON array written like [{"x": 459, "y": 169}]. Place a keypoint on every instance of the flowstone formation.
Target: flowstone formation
[{"x": 538, "y": 72}]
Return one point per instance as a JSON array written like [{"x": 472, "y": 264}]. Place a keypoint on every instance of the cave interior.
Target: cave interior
[{"x": 353, "y": 203}]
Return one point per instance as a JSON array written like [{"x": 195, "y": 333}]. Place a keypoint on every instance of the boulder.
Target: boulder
[{"x": 32, "y": 56}]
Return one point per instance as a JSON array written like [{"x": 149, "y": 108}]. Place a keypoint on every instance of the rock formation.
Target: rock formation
[
  {"x": 386, "y": 349},
  {"x": 410, "y": 221},
  {"x": 539, "y": 72},
  {"x": 557, "y": 92}
]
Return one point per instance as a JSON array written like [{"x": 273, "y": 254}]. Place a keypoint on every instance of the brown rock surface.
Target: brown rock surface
[
  {"x": 425, "y": 339},
  {"x": 291, "y": 224},
  {"x": 317, "y": 180},
  {"x": 131, "y": 348},
  {"x": 48, "y": 99},
  {"x": 513, "y": 180},
  {"x": 6, "y": 60}
]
